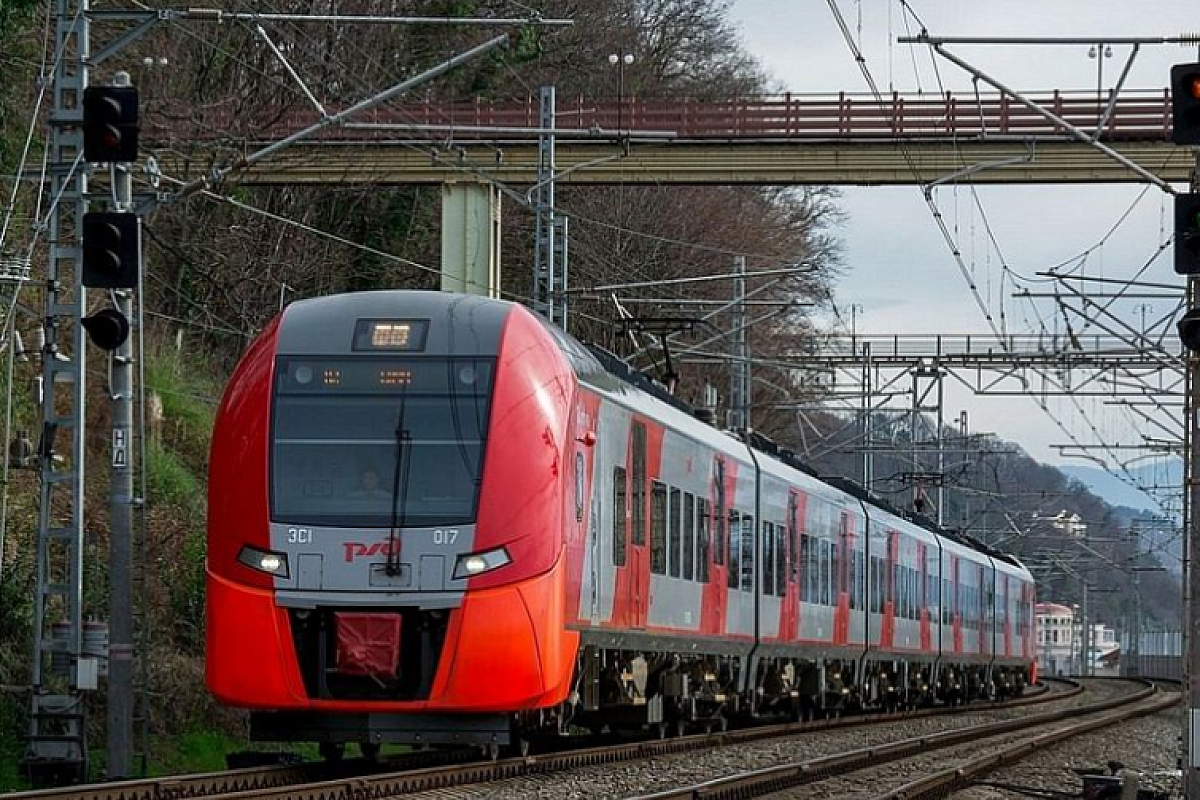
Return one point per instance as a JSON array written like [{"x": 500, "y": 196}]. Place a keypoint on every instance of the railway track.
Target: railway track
[
  {"x": 963, "y": 756},
  {"x": 431, "y": 770}
]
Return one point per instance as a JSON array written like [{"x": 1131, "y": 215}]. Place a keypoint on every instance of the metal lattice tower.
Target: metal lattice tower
[
  {"x": 57, "y": 749},
  {"x": 550, "y": 246}
]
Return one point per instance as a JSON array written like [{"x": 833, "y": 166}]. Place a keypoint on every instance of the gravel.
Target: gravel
[
  {"x": 656, "y": 774},
  {"x": 1148, "y": 745}
]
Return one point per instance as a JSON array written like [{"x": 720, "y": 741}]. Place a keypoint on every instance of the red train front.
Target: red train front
[
  {"x": 378, "y": 570},
  {"x": 435, "y": 518}
]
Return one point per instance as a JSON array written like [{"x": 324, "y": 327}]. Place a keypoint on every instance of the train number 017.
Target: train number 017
[{"x": 445, "y": 536}]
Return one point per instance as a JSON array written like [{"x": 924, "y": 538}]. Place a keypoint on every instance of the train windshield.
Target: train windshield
[{"x": 377, "y": 442}]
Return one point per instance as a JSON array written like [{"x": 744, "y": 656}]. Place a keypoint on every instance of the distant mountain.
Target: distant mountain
[
  {"x": 1159, "y": 534},
  {"x": 1112, "y": 490}
]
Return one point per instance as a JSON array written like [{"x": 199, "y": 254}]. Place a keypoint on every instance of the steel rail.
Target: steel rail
[
  {"x": 407, "y": 773},
  {"x": 761, "y": 782}
]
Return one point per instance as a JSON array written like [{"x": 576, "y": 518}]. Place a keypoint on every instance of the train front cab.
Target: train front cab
[{"x": 385, "y": 561}]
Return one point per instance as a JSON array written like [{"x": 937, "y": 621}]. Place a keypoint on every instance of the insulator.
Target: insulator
[{"x": 1189, "y": 39}]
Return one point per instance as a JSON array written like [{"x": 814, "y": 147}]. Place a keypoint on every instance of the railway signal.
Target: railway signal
[
  {"x": 1185, "y": 103},
  {"x": 1187, "y": 234},
  {"x": 111, "y": 247},
  {"x": 110, "y": 123}
]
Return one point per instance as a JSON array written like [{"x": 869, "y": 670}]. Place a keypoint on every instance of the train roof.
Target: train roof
[{"x": 587, "y": 358}]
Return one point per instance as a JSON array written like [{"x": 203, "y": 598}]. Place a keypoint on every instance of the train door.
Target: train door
[
  {"x": 716, "y": 589},
  {"x": 839, "y": 591},
  {"x": 639, "y": 558},
  {"x": 956, "y": 614},
  {"x": 887, "y": 633},
  {"x": 789, "y": 612}
]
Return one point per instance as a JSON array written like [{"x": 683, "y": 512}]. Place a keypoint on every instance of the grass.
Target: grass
[
  {"x": 171, "y": 480},
  {"x": 188, "y": 395}
]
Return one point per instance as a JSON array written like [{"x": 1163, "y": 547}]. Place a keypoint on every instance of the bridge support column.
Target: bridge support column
[{"x": 471, "y": 238}]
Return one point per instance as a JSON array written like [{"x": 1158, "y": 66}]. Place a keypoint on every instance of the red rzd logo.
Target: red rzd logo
[{"x": 355, "y": 550}]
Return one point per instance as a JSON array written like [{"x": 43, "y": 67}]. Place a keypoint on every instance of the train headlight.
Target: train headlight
[
  {"x": 478, "y": 563},
  {"x": 266, "y": 561}
]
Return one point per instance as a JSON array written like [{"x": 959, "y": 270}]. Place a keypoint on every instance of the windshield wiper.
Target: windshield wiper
[{"x": 399, "y": 491}]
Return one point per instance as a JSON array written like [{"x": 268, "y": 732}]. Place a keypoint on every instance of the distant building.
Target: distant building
[
  {"x": 1060, "y": 643},
  {"x": 1057, "y": 643}
]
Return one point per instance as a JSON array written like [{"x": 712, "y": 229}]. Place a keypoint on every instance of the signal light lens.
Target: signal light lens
[
  {"x": 1194, "y": 86},
  {"x": 267, "y": 561},
  {"x": 107, "y": 328},
  {"x": 478, "y": 563}
]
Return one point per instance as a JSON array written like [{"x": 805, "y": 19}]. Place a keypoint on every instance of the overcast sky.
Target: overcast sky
[{"x": 899, "y": 268}]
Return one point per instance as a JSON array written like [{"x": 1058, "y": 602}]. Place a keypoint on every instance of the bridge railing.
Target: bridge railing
[
  {"x": 1135, "y": 115},
  {"x": 913, "y": 346}
]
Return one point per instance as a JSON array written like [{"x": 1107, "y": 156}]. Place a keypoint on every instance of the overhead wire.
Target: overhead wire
[{"x": 939, "y": 218}]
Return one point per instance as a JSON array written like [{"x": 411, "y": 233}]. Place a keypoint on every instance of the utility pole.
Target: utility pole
[
  {"x": 121, "y": 501},
  {"x": 739, "y": 389},
  {"x": 1185, "y": 130},
  {"x": 56, "y": 750},
  {"x": 868, "y": 453},
  {"x": 1191, "y": 521}
]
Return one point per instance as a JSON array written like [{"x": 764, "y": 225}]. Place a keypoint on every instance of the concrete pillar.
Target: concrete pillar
[{"x": 471, "y": 238}]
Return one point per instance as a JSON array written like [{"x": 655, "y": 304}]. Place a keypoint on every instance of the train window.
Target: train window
[
  {"x": 850, "y": 558},
  {"x": 702, "y": 512},
  {"x": 897, "y": 588},
  {"x": 826, "y": 559},
  {"x": 620, "y": 515},
  {"x": 812, "y": 581},
  {"x": 853, "y": 576},
  {"x": 735, "y": 535},
  {"x": 768, "y": 556},
  {"x": 638, "y": 489},
  {"x": 835, "y": 569},
  {"x": 947, "y": 611},
  {"x": 873, "y": 580},
  {"x": 860, "y": 579},
  {"x": 914, "y": 585},
  {"x": 674, "y": 532},
  {"x": 658, "y": 528},
  {"x": 780, "y": 562},
  {"x": 689, "y": 536},
  {"x": 380, "y": 441},
  {"x": 747, "y": 553}
]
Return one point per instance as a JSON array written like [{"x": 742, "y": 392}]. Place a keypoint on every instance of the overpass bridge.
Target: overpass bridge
[{"x": 790, "y": 139}]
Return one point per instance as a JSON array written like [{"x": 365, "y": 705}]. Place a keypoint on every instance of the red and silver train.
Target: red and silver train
[{"x": 436, "y": 518}]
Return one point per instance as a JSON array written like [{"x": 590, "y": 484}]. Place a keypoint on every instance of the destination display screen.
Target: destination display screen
[{"x": 402, "y": 335}]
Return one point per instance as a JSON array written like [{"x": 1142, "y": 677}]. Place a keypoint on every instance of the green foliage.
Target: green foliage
[
  {"x": 196, "y": 751},
  {"x": 170, "y": 480},
  {"x": 13, "y": 722},
  {"x": 16, "y": 615},
  {"x": 20, "y": 49},
  {"x": 176, "y": 490},
  {"x": 188, "y": 394}
]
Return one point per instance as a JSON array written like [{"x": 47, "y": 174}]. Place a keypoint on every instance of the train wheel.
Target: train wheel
[
  {"x": 370, "y": 750},
  {"x": 332, "y": 751}
]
